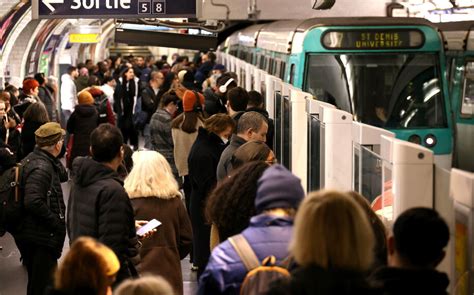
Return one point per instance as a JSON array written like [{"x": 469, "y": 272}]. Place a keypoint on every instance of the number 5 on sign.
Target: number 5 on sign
[
  {"x": 159, "y": 7},
  {"x": 144, "y": 7}
]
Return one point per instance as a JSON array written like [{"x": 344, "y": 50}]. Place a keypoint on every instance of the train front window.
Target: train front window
[{"x": 387, "y": 90}]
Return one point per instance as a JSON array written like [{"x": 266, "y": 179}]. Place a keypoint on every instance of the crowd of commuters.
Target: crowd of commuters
[{"x": 208, "y": 175}]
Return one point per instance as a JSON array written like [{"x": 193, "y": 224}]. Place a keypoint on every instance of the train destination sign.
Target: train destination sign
[
  {"x": 373, "y": 39},
  {"x": 47, "y": 9}
]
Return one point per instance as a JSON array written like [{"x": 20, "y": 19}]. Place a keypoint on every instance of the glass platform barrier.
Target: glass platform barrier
[
  {"x": 367, "y": 162},
  {"x": 407, "y": 174},
  {"x": 462, "y": 192},
  {"x": 272, "y": 84}
]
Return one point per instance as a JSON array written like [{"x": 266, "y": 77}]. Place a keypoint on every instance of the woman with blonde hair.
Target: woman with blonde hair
[
  {"x": 332, "y": 244},
  {"x": 147, "y": 285},
  {"x": 154, "y": 193},
  {"x": 89, "y": 268}
]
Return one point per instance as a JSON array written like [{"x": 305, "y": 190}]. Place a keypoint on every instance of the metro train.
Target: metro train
[{"x": 386, "y": 72}]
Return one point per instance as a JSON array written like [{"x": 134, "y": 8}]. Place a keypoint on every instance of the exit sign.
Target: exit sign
[{"x": 98, "y": 9}]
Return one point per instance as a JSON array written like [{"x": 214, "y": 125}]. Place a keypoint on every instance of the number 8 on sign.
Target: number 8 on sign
[{"x": 159, "y": 7}]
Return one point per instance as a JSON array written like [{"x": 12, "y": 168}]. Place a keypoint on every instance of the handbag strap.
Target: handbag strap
[{"x": 245, "y": 252}]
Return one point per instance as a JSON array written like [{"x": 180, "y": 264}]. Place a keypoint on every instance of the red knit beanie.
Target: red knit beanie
[
  {"x": 189, "y": 100},
  {"x": 29, "y": 84}
]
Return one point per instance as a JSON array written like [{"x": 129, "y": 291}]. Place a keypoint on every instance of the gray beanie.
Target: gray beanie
[{"x": 278, "y": 188}]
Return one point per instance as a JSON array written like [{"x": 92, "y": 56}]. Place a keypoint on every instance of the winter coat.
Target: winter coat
[
  {"x": 161, "y": 138},
  {"x": 225, "y": 166},
  {"x": 82, "y": 122},
  {"x": 203, "y": 72},
  {"x": 46, "y": 97},
  {"x": 202, "y": 162},
  {"x": 150, "y": 101},
  {"x": 43, "y": 223},
  {"x": 99, "y": 207},
  {"x": 214, "y": 103},
  {"x": 125, "y": 99},
  {"x": 225, "y": 272},
  {"x": 28, "y": 139},
  {"x": 182, "y": 142},
  {"x": 271, "y": 125},
  {"x": 318, "y": 281},
  {"x": 161, "y": 253},
  {"x": 81, "y": 82},
  {"x": 400, "y": 281}
]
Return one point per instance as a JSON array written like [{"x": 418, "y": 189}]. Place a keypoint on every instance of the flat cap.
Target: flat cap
[{"x": 49, "y": 134}]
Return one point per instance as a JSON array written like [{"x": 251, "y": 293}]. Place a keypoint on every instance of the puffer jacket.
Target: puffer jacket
[
  {"x": 161, "y": 138},
  {"x": 44, "y": 222},
  {"x": 82, "y": 122},
  {"x": 99, "y": 207},
  {"x": 225, "y": 272}
]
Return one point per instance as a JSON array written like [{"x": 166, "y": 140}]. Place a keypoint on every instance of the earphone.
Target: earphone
[{"x": 223, "y": 88}]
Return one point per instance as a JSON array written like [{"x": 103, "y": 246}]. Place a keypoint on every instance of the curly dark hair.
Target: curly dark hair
[{"x": 232, "y": 203}]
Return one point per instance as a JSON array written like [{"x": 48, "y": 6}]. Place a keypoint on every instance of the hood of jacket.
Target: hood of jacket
[
  {"x": 86, "y": 171},
  {"x": 85, "y": 110},
  {"x": 411, "y": 281}
]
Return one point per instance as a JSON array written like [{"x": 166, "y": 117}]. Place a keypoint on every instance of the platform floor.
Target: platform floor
[{"x": 13, "y": 276}]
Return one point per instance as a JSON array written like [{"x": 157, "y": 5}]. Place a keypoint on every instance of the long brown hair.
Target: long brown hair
[{"x": 188, "y": 121}]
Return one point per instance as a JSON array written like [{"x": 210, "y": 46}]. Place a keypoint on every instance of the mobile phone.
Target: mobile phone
[{"x": 151, "y": 225}]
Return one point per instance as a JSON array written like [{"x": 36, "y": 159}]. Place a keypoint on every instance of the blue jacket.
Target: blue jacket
[{"x": 225, "y": 272}]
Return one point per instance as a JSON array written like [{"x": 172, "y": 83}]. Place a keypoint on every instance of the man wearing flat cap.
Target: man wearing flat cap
[{"x": 40, "y": 236}]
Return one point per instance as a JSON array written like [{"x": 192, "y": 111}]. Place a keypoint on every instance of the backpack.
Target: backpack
[
  {"x": 11, "y": 207},
  {"x": 259, "y": 276},
  {"x": 140, "y": 117},
  {"x": 100, "y": 104}
]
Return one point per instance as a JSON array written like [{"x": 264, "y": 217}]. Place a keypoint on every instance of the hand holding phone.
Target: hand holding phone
[{"x": 151, "y": 225}]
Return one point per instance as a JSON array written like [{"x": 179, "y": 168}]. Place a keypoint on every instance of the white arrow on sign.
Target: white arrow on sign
[{"x": 49, "y": 2}]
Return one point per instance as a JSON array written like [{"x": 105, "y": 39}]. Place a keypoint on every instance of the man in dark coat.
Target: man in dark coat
[
  {"x": 414, "y": 250},
  {"x": 40, "y": 236},
  {"x": 98, "y": 205},
  {"x": 151, "y": 96},
  {"x": 251, "y": 126}
]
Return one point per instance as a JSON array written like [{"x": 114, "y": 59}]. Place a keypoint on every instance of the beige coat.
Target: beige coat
[{"x": 183, "y": 142}]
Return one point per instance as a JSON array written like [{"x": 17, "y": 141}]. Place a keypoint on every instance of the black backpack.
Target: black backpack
[
  {"x": 11, "y": 199},
  {"x": 100, "y": 104},
  {"x": 259, "y": 275}
]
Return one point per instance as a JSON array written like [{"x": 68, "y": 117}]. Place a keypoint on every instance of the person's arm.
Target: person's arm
[
  {"x": 37, "y": 184},
  {"x": 110, "y": 114},
  {"x": 185, "y": 238}
]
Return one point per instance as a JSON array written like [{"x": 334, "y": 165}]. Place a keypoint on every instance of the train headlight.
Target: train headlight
[
  {"x": 415, "y": 139},
  {"x": 430, "y": 140}
]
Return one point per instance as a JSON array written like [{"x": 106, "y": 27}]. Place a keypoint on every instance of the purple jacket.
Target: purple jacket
[{"x": 225, "y": 272}]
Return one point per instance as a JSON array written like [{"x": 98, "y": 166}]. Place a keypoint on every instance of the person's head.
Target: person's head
[
  {"x": 40, "y": 78},
  {"x": 225, "y": 83},
  {"x": 147, "y": 285},
  {"x": 50, "y": 137},
  {"x": 109, "y": 80},
  {"x": 5, "y": 96},
  {"x": 220, "y": 124},
  {"x": 232, "y": 203},
  {"x": 14, "y": 93},
  {"x": 93, "y": 81},
  {"x": 151, "y": 176},
  {"x": 252, "y": 126},
  {"x": 278, "y": 188},
  {"x": 169, "y": 102},
  {"x": 204, "y": 58},
  {"x": 170, "y": 81},
  {"x": 106, "y": 144},
  {"x": 419, "y": 238},
  {"x": 30, "y": 87},
  {"x": 72, "y": 71},
  {"x": 255, "y": 100},
  {"x": 252, "y": 151},
  {"x": 128, "y": 74},
  {"x": 237, "y": 99},
  {"x": 341, "y": 236},
  {"x": 140, "y": 61},
  {"x": 36, "y": 112},
  {"x": 83, "y": 72},
  {"x": 218, "y": 70},
  {"x": 193, "y": 101},
  {"x": 156, "y": 79},
  {"x": 212, "y": 57},
  {"x": 103, "y": 66},
  {"x": 3, "y": 111},
  {"x": 85, "y": 97},
  {"x": 89, "y": 267}
]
